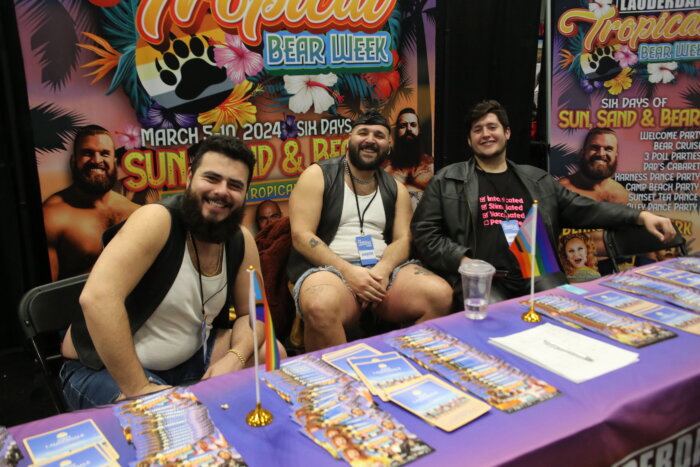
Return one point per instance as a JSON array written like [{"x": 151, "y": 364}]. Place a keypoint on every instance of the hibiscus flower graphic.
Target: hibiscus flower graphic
[{"x": 308, "y": 90}]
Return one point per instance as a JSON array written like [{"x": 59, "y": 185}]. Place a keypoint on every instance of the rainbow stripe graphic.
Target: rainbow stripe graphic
[
  {"x": 262, "y": 313},
  {"x": 545, "y": 260}
]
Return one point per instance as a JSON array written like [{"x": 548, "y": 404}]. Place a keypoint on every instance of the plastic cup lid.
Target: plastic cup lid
[{"x": 476, "y": 266}]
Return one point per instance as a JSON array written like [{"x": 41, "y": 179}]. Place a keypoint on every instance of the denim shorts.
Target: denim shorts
[
  {"x": 84, "y": 387},
  {"x": 308, "y": 272}
]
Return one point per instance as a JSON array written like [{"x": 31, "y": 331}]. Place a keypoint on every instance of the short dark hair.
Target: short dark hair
[
  {"x": 598, "y": 131},
  {"x": 229, "y": 146},
  {"x": 483, "y": 108},
  {"x": 372, "y": 117},
  {"x": 407, "y": 110},
  {"x": 89, "y": 130}
]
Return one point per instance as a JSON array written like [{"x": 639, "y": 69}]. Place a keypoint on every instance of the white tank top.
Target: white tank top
[
  {"x": 344, "y": 244},
  {"x": 172, "y": 334}
]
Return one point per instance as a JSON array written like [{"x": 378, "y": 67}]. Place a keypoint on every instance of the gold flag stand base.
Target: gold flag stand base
[
  {"x": 258, "y": 416},
  {"x": 531, "y": 316}
]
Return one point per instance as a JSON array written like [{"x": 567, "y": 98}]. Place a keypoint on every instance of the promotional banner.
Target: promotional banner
[
  {"x": 147, "y": 80},
  {"x": 625, "y": 119}
]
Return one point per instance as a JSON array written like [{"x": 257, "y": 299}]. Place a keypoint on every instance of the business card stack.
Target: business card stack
[
  {"x": 503, "y": 386},
  {"x": 337, "y": 413},
  {"x": 174, "y": 427}
]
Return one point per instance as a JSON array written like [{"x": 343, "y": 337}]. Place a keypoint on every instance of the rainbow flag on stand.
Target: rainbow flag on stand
[
  {"x": 545, "y": 259},
  {"x": 262, "y": 313}
]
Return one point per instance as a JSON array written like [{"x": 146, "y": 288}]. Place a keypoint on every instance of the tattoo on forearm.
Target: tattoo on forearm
[
  {"x": 313, "y": 242},
  {"x": 421, "y": 271}
]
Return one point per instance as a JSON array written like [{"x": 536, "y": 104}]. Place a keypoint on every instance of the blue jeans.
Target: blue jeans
[{"x": 84, "y": 387}]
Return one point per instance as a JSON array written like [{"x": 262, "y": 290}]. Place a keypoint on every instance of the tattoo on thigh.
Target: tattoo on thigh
[
  {"x": 313, "y": 242},
  {"x": 421, "y": 271}
]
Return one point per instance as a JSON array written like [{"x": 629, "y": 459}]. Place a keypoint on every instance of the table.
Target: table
[{"x": 598, "y": 422}]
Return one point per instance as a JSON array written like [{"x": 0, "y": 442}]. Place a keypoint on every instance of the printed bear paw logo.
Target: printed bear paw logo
[
  {"x": 190, "y": 67},
  {"x": 600, "y": 65}
]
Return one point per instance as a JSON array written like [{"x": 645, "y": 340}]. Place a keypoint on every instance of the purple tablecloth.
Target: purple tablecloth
[{"x": 597, "y": 422}]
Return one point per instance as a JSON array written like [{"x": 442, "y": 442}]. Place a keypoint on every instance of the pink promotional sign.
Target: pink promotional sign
[{"x": 625, "y": 118}]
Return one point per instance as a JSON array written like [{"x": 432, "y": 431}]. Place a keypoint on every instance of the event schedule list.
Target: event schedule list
[{"x": 670, "y": 179}]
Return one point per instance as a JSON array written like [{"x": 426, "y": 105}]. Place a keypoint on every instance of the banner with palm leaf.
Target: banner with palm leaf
[
  {"x": 632, "y": 68},
  {"x": 288, "y": 85}
]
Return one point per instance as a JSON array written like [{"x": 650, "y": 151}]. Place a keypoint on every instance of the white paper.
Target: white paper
[{"x": 567, "y": 353}]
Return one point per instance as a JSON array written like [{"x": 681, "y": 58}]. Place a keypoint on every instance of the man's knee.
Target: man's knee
[{"x": 320, "y": 310}]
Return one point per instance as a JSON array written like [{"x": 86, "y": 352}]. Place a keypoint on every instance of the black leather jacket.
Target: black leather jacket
[{"x": 443, "y": 225}]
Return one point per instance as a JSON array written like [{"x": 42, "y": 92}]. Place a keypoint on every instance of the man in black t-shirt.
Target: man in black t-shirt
[{"x": 468, "y": 207}]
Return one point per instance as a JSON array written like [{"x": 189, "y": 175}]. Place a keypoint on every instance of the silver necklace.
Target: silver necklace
[{"x": 354, "y": 178}]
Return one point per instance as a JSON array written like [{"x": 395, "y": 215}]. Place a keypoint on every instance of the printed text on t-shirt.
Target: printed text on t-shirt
[{"x": 495, "y": 209}]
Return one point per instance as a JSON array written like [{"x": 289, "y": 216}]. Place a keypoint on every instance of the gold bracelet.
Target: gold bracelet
[{"x": 237, "y": 354}]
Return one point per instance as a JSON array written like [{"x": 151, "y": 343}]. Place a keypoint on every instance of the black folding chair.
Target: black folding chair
[
  {"x": 636, "y": 240},
  {"x": 44, "y": 312}
]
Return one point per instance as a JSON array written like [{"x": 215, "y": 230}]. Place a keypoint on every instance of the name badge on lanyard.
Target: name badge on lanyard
[
  {"x": 510, "y": 229},
  {"x": 365, "y": 248}
]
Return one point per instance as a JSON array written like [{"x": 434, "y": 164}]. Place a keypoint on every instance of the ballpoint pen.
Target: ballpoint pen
[{"x": 569, "y": 351}]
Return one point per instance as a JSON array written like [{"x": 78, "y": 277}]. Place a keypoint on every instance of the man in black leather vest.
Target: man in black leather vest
[
  {"x": 351, "y": 238},
  {"x": 156, "y": 305}
]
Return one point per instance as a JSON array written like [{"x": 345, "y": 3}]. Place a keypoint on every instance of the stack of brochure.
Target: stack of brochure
[{"x": 566, "y": 353}]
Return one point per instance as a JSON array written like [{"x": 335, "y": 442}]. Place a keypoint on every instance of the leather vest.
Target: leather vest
[{"x": 333, "y": 189}]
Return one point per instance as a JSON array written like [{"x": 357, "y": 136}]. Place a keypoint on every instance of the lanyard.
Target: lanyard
[
  {"x": 199, "y": 274},
  {"x": 357, "y": 200}
]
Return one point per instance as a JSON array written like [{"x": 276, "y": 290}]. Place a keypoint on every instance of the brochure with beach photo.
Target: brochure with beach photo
[
  {"x": 672, "y": 275},
  {"x": 687, "y": 263},
  {"x": 339, "y": 358},
  {"x": 491, "y": 379},
  {"x": 666, "y": 315},
  {"x": 658, "y": 289},
  {"x": 611, "y": 324},
  {"x": 437, "y": 402},
  {"x": 381, "y": 372}
]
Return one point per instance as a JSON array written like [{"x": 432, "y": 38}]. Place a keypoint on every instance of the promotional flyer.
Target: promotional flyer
[
  {"x": 152, "y": 78},
  {"x": 625, "y": 118}
]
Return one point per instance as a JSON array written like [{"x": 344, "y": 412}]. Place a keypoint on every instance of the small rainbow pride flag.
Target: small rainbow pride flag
[
  {"x": 545, "y": 260},
  {"x": 262, "y": 313}
]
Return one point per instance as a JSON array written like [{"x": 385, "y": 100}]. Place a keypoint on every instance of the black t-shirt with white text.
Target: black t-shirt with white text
[{"x": 502, "y": 196}]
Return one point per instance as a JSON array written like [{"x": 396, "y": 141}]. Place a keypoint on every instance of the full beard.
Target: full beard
[
  {"x": 94, "y": 184},
  {"x": 359, "y": 163},
  {"x": 204, "y": 229},
  {"x": 597, "y": 171},
  {"x": 407, "y": 153}
]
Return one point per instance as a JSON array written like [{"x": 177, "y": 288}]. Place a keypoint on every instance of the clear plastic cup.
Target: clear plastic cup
[{"x": 476, "y": 287}]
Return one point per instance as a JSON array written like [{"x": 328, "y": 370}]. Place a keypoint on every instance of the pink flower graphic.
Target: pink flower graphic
[
  {"x": 236, "y": 58},
  {"x": 625, "y": 57},
  {"x": 130, "y": 138}
]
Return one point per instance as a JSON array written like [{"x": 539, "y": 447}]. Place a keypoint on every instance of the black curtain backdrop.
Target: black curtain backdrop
[
  {"x": 22, "y": 242},
  {"x": 486, "y": 50}
]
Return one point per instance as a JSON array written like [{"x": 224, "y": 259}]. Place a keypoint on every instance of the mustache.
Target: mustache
[
  {"x": 369, "y": 145},
  {"x": 95, "y": 165}
]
